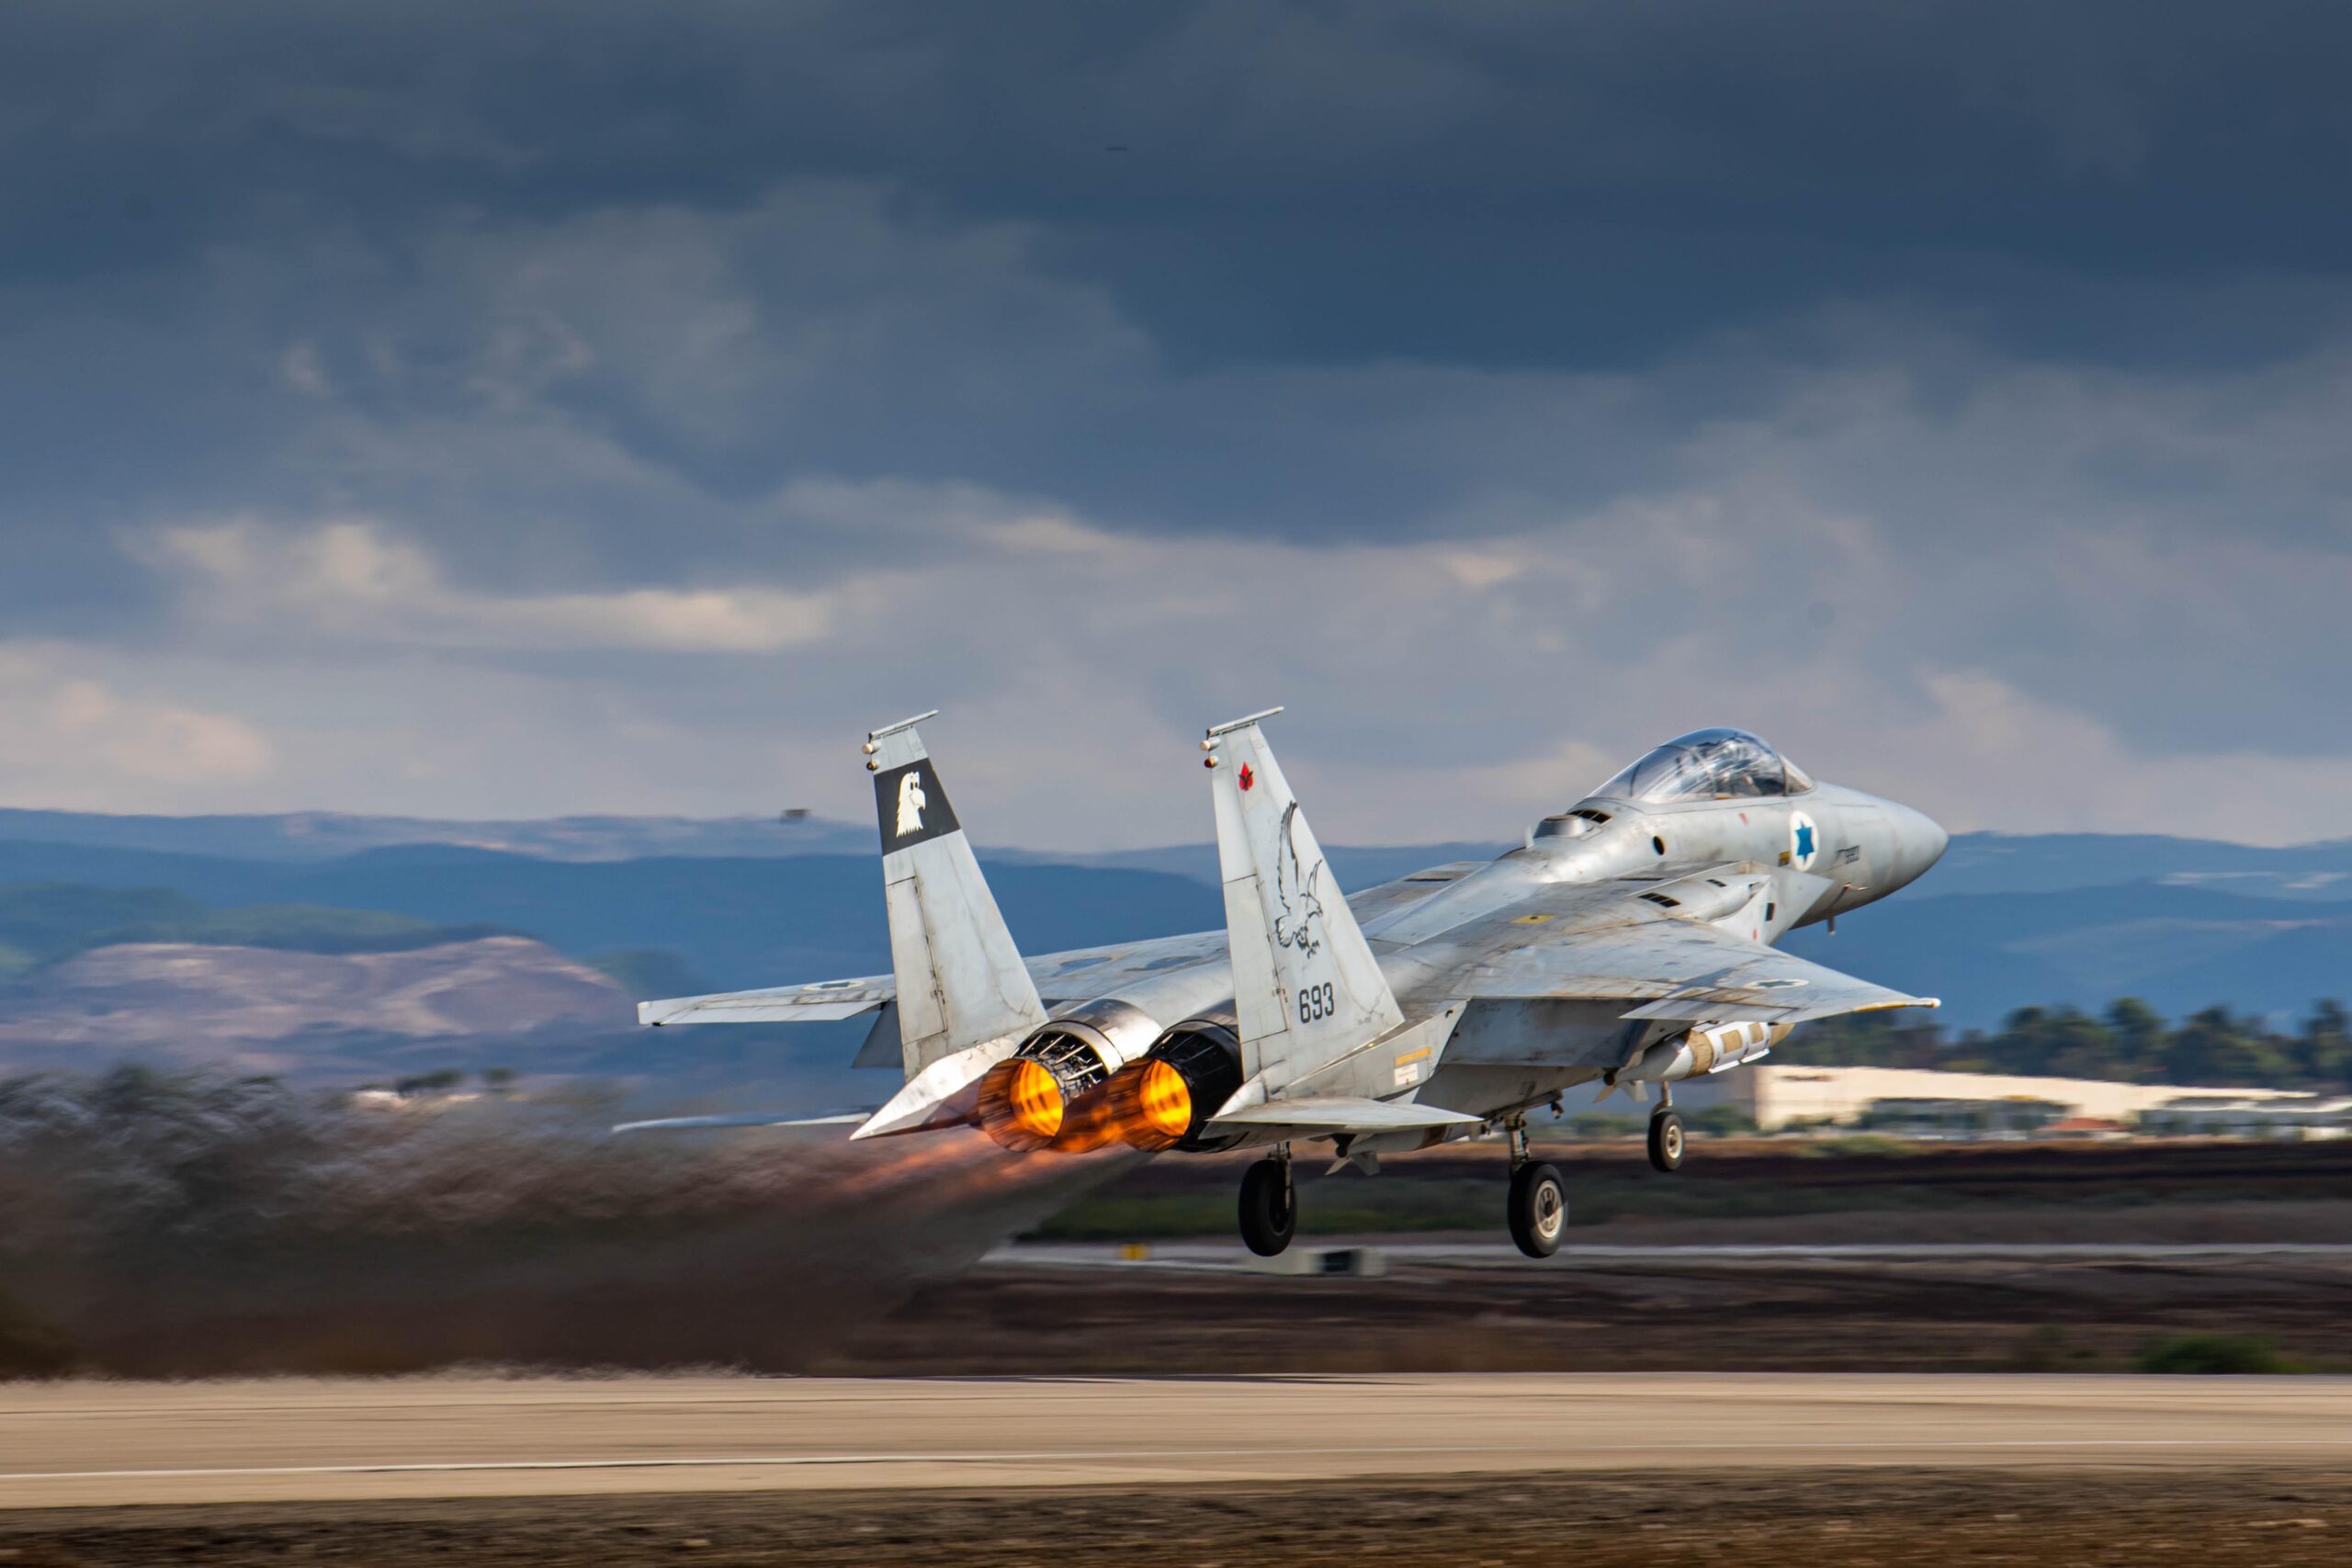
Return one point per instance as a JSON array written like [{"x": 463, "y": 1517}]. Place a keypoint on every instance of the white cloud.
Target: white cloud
[
  {"x": 560, "y": 453},
  {"x": 353, "y": 580},
  {"x": 1454, "y": 688},
  {"x": 69, "y": 740}
]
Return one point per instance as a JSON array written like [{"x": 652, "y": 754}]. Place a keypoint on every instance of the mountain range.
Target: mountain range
[{"x": 667, "y": 904}]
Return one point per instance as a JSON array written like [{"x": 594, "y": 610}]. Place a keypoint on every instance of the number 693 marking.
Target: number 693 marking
[{"x": 1315, "y": 1003}]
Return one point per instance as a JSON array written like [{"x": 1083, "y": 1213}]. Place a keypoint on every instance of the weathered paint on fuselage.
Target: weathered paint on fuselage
[
  {"x": 1432, "y": 931},
  {"x": 1505, "y": 1054}
]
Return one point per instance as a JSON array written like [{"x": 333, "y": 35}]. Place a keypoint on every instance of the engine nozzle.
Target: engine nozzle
[
  {"x": 1045, "y": 1095},
  {"x": 1164, "y": 1100}
]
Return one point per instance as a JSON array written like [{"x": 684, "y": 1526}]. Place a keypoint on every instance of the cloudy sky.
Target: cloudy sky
[{"x": 503, "y": 408}]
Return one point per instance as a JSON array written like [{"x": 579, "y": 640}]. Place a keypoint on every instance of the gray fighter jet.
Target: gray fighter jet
[{"x": 1628, "y": 943}]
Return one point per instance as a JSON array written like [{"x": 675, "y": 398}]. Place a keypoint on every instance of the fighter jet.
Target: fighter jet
[{"x": 1626, "y": 943}]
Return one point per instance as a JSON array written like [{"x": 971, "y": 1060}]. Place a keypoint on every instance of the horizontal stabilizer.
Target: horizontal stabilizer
[
  {"x": 746, "y": 1118},
  {"x": 821, "y": 1003},
  {"x": 1321, "y": 1115},
  {"x": 944, "y": 1094}
]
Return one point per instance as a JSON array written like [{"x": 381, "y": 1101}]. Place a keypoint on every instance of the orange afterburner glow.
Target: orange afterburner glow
[
  {"x": 1166, "y": 1100},
  {"x": 1148, "y": 1105},
  {"x": 1035, "y": 1099},
  {"x": 1021, "y": 1104}
]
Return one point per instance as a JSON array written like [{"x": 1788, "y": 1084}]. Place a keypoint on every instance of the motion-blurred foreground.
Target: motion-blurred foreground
[
  {"x": 155, "y": 1224},
  {"x": 171, "y": 1225}
]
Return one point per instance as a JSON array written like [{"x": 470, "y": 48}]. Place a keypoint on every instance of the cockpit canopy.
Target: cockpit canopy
[{"x": 1707, "y": 764}]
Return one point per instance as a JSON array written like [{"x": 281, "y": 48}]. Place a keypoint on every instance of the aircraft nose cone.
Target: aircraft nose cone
[{"x": 1919, "y": 840}]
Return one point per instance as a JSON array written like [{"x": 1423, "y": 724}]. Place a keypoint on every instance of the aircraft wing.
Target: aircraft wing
[
  {"x": 1101, "y": 971},
  {"x": 1677, "y": 969},
  {"x": 1060, "y": 977},
  {"x": 817, "y": 1002},
  {"x": 1069, "y": 976},
  {"x": 1319, "y": 1116}
]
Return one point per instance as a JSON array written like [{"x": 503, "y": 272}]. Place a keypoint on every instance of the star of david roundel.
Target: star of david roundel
[{"x": 1805, "y": 841}]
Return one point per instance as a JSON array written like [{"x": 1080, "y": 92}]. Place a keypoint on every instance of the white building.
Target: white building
[
  {"x": 1778, "y": 1095},
  {"x": 2225, "y": 1114}
]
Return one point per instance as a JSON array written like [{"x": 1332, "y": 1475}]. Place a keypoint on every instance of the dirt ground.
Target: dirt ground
[
  {"x": 1663, "y": 1313},
  {"x": 1795, "y": 1313},
  {"x": 1857, "y": 1518}
]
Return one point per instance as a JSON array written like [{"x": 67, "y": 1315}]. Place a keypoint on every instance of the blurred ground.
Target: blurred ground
[
  {"x": 1757, "y": 1518},
  {"x": 1603, "y": 1304},
  {"x": 303, "y": 1441},
  {"x": 1654, "y": 1310},
  {"x": 148, "y": 1228},
  {"x": 2016, "y": 1188},
  {"x": 1608, "y": 1470}
]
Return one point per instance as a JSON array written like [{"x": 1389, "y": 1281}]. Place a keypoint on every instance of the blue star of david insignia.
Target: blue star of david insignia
[{"x": 1805, "y": 841}]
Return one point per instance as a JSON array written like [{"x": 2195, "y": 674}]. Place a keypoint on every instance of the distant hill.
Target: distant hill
[
  {"x": 2006, "y": 922},
  {"x": 327, "y": 835},
  {"x": 2180, "y": 947},
  {"x": 1977, "y": 863},
  {"x": 308, "y": 1014},
  {"x": 42, "y": 923},
  {"x": 2048, "y": 862}
]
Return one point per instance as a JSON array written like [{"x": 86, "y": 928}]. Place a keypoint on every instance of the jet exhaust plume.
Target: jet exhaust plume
[{"x": 168, "y": 1224}]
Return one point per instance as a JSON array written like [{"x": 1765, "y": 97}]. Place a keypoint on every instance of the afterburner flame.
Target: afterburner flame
[
  {"x": 1147, "y": 1105},
  {"x": 1020, "y": 1103},
  {"x": 1037, "y": 1100},
  {"x": 1165, "y": 1102}
]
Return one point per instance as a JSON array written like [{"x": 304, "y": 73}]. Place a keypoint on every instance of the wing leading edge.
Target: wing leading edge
[{"x": 1674, "y": 969}]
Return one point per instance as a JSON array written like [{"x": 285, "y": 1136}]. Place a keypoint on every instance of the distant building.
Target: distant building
[
  {"x": 1891, "y": 1098},
  {"x": 2230, "y": 1115},
  {"x": 2011, "y": 1116}
]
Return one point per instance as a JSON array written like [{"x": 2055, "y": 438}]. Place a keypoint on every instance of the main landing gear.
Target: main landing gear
[
  {"x": 1666, "y": 1136},
  {"x": 1268, "y": 1205},
  {"x": 1539, "y": 1198}
]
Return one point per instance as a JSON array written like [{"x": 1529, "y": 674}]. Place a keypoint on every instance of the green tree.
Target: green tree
[
  {"x": 2324, "y": 1051},
  {"x": 2138, "y": 1030},
  {"x": 2212, "y": 1047}
]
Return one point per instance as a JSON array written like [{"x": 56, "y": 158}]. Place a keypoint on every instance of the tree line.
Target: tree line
[{"x": 2129, "y": 1042}]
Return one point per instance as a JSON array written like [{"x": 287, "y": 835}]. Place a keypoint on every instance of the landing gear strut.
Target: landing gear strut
[
  {"x": 1539, "y": 1198},
  {"x": 1268, "y": 1205}
]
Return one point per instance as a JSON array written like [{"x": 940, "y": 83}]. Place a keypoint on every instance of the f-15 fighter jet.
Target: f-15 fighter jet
[{"x": 1627, "y": 943}]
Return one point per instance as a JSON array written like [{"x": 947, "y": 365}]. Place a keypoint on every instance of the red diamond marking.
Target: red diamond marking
[{"x": 1247, "y": 778}]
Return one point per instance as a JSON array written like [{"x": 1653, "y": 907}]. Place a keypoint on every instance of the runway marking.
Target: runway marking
[{"x": 1043, "y": 1456}]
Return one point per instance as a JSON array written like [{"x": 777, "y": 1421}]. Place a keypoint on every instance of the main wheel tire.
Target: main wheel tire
[
  {"x": 1539, "y": 1210},
  {"x": 1665, "y": 1141},
  {"x": 1269, "y": 1211}
]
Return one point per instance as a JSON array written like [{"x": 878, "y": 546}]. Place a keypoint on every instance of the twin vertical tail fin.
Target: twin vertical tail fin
[
  {"x": 1307, "y": 988},
  {"x": 964, "y": 996}
]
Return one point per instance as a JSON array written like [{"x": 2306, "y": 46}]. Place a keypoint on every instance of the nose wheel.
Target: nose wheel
[
  {"x": 1666, "y": 1139},
  {"x": 1269, "y": 1207}
]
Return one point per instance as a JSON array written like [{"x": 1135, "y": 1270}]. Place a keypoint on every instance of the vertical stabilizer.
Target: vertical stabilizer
[
  {"x": 960, "y": 979},
  {"x": 1306, "y": 985}
]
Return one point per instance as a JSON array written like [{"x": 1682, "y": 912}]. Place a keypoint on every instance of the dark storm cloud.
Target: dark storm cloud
[
  {"x": 2011, "y": 340},
  {"x": 1531, "y": 183}
]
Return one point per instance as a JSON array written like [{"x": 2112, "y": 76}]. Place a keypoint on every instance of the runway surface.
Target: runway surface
[
  {"x": 69, "y": 1444},
  {"x": 1230, "y": 1256}
]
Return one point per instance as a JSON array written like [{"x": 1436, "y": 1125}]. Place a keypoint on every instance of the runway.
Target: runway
[
  {"x": 1220, "y": 1255},
  {"x": 74, "y": 1444}
]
